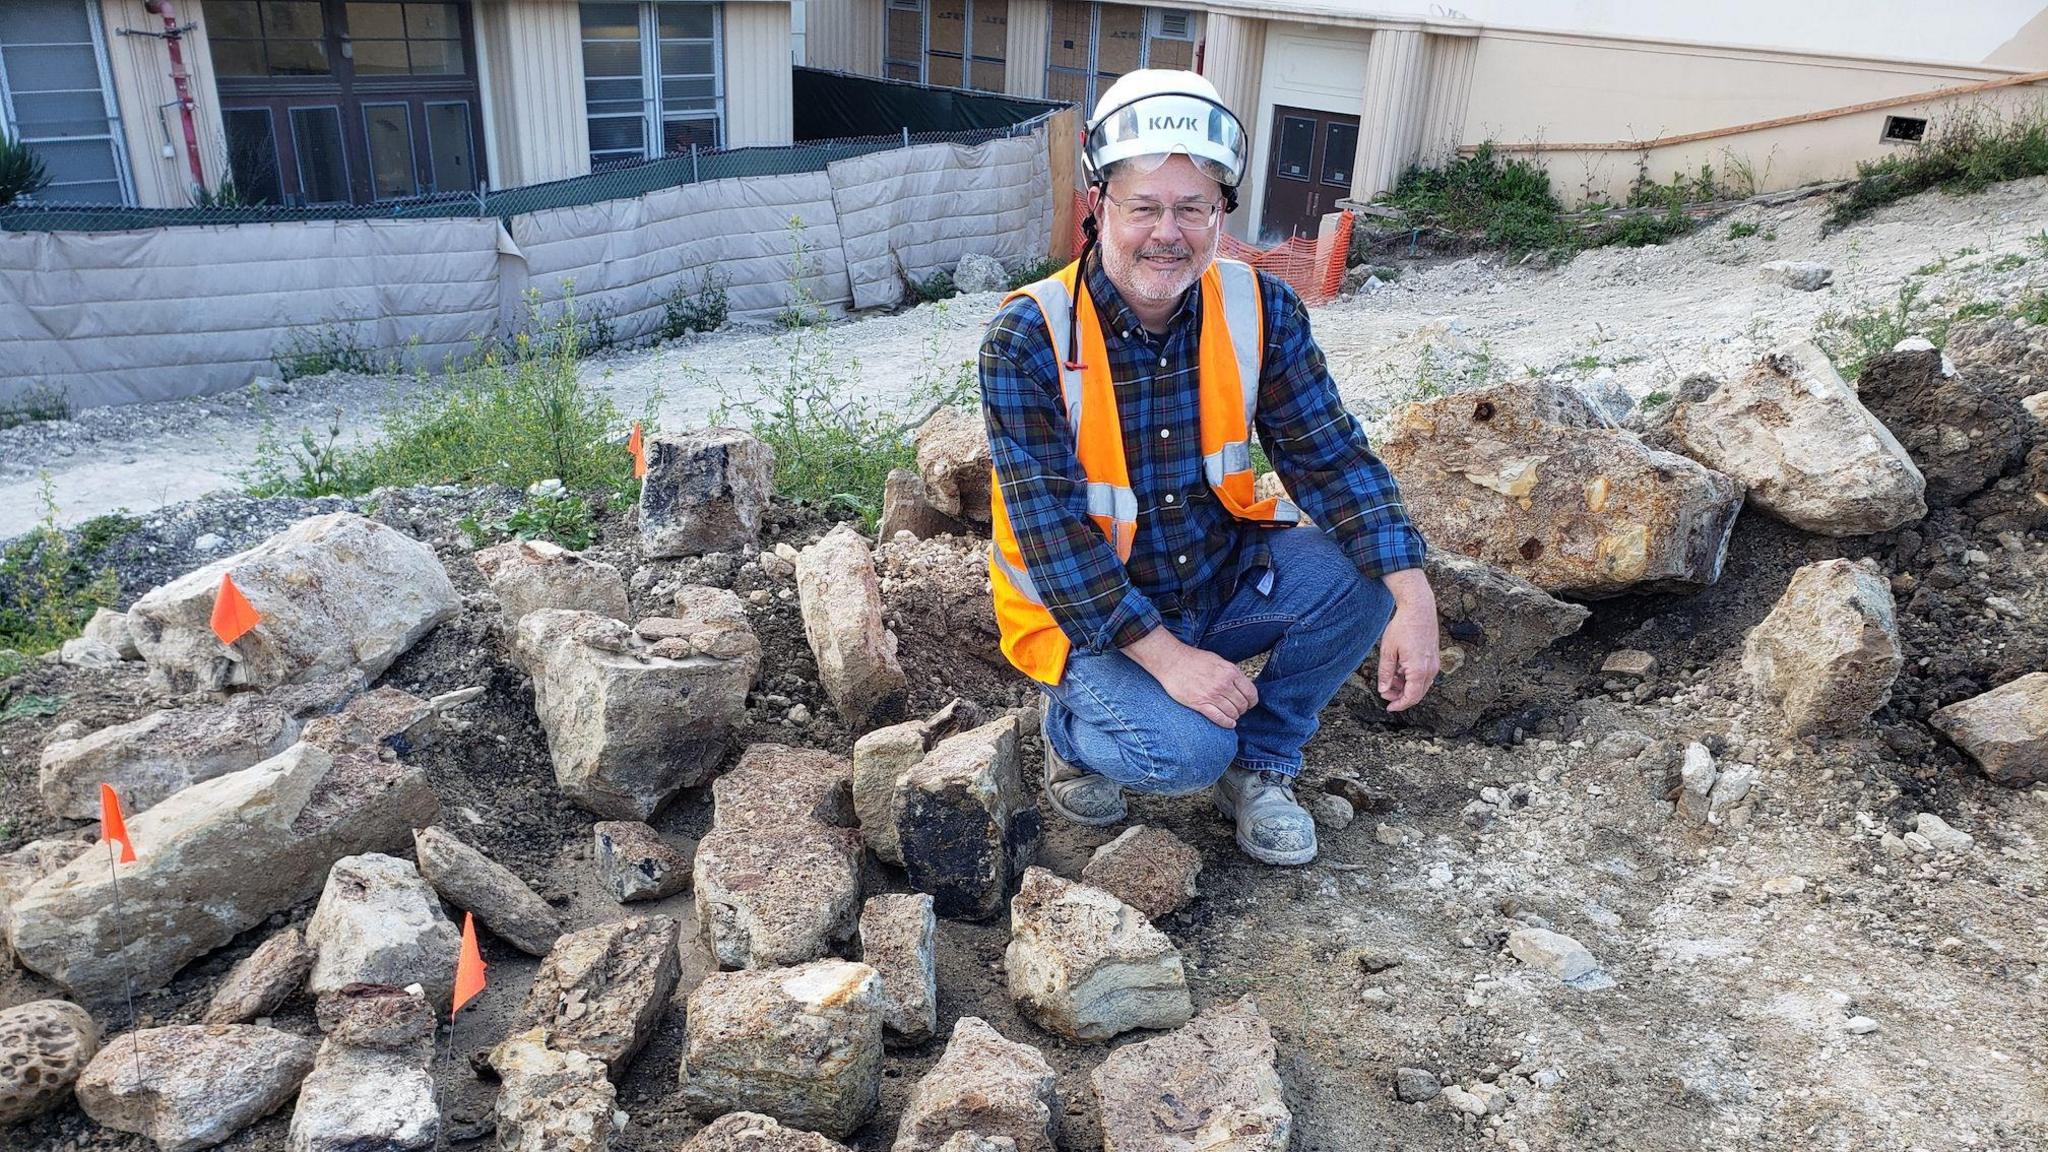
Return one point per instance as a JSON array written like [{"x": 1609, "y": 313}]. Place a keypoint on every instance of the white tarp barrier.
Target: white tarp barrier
[
  {"x": 118, "y": 317},
  {"x": 915, "y": 211},
  {"x": 121, "y": 317}
]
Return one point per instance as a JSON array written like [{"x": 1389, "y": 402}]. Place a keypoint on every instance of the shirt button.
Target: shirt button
[
  {"x": 1169, "y": 497},
  {"x": 1181, "y": 559},
  {"x": 1166, "y": 433},
  {"x": 1162, "y": 361},
  {"x": 1127, "y": 333}
]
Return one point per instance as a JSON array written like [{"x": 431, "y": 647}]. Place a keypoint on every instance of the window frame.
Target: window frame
[
  {"x": 654, "y": 116},
  {"x": 116, "y": 136},
  {"x": 969, "y": 56}
]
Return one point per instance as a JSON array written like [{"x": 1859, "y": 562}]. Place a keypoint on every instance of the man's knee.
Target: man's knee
[{"x": 1189, "y": 755}]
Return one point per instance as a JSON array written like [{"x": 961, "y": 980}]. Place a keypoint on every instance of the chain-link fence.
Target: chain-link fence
[{"x": 618, "y": 181}]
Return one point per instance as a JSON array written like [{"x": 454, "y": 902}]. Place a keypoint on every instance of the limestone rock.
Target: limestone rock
[
  {"x": 1211, "y": 1084},
  {"x": 1416, "y": 1085},
  {"x": 1696, "y": 778},
  {"x": 1148, "y": 868},
  {"x": 704, "y": 492},
  {"x": 954, "y": 460},
  {"x": 199, "y": 1083},
  {"x": 987, "y": 1085},
  {"x": 629, "y": 727},
  {"x": 1802, "y": 444},
  {"x": 2004, "y": 730},
  {"x": 1828, "y": 652},
  {"x": 111, "y": 628},
  {"x": 1492, "y": 628},
  {"x": 384, "y": 718},
  {"x": 603, "y": 989},
  {"x": 1798, "y": 275},
  {"x": 476, "y": 883},
  {"x": 1942, "y": 837},
  {"x": 22, "y": 868},
  {"x": 966, "y": 826},
  {"x": 44, "y": 1046},
  {"x": 1960, "y": 434},
  {"x": 378, "y": 922},
  {"x": 801, "y": 1044},
  {"x": 553, "y": 1101},
  {"x": 907, "y": 507},
  {"x": 1088, "y": 966},
  {"x": 976, "y": 1142},
  {"x": 528, "y": 575},
  {"x": 635, "y": 863},
  {"x": 86, "y": 652},
  {"x": 213, "y": 861},
  {"x": 151, "y": 758},
  {"x": 263, "y": 981},
  {"x": 978, "y": 273},
  {"x": 753, "y": 1132},
  {"x": 774, "y": 785},
  {"x": 880, "y": 760},
  {"x": 1555, "y": 953},
  {"x": 841, "y": 603},
  {"x": 337, "y": 593},
  {"x": 777, "y": 878},
  {"x": 1628, "y": 662},
  {"x": 899, "y": 939},
  {"x": 1529, "y": 479},
  {"x": 940, "y": 588},
  {"x": 371, "y": 1085}
]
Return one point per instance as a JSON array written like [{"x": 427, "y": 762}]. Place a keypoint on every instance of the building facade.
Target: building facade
[
  {"x": 339, "y": 101},
  {"x": 1340, "y": 97}
]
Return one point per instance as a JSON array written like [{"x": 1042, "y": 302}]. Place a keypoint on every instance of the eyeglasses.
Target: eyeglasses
[{"x": 1193, "y": 216}]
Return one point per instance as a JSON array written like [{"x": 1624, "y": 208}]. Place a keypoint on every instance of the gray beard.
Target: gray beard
[{"x": 1124, "y": 273}]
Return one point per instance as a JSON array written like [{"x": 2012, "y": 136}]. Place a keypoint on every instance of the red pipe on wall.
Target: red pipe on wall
[{"x": 182, "y": 82}]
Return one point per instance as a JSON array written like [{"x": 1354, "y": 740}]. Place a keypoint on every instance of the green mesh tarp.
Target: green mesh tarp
[{"x": 834, "y": 104}]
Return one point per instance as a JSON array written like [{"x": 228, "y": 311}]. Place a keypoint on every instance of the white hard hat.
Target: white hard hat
[{"x": 1152, "y": 113}]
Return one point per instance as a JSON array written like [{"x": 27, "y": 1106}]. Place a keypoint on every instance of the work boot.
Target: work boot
[
  {"x": 1271, "y": 827},
  {"x": 1080, "y": 795}
]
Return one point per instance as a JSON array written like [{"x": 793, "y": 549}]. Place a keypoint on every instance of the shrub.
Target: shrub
[
  {"x": 50, "y": 588},
  {"x": 21, "y": 171},
  {"x": 317, "y": 351},
  {"x": 935, "y": 287},
  {"x": 39, "y": 401},
  {"x": 1510, "y": 201},
  {"x": 704, "y": 310},
  {"x": 1969, "y": 153},
  {"x": 551, "y": 513},
  {"x": 1039, "y": 269}
]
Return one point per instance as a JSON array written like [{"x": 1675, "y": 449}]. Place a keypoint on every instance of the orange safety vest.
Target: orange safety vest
[{"x": 1232, "y": 342}]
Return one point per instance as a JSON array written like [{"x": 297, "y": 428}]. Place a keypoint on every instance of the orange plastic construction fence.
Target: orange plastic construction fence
[{"x": 1315, "y": 272}]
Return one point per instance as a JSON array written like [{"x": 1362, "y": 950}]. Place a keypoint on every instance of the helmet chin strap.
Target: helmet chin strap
[{"x": 1090, "y": 235}]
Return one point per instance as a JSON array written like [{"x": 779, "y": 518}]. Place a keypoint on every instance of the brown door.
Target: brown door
[
  {"x": 1308, "y": 170},
  {"x": 338, "y": 101}
]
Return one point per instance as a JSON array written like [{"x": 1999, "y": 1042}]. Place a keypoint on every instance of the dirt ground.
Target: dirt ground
[{"x": 1725, "y": 1026}]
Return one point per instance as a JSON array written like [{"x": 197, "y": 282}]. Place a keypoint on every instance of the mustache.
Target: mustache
[{"x": 1175, "y": 250}]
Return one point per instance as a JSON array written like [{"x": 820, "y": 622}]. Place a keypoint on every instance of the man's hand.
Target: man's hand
[
  {"x": 1409, "y": 661},
  {"x": 1199, "y": 679}
]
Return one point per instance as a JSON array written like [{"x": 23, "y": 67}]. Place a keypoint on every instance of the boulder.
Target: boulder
[
  {"x": 841, "y": 603},
  {"x": 1961, "y": 435},
  {"x": 1798, "y": 275},
  {"x": 1557, "y": 954},
  {"x": 528, "y": 575},
  {"x": 704, "y": 492},
  {"x": 476, "y": 883},
  {"x": 379, "y": 922},
  {"x": 1088, "y": 966},
  {"x": 635, "y": 863},
  {"x": 337, "y": 593},
  {"x": 907, "y": 507},
  {"x": 553, "y": 1101},
  {"x": 978, "y": 273},
  {"x": 966, "y": 826},
  {"x": 801, "y": 1044},
  {"x": 629, "y": 727},
  {"x": 85, "y": 652},
  {"x": 372, "y": 1084},
  {"x": 880, "y": 760},
  {"x": 1802, "y": 444},
  {"x": 1528, "y": 478},
  {"x": 193, "y": 1085},
  {"x": 151, "y": 758},
  {"x": 22, "y": 868},
  {"x": 899, "y": 940},
  {"x": 2004, "y": 730},
  {"x": 263, "y": 981},
  {"x": 777, "y": 879},
  {"x": 111, "y": 628},
  {"x": 1148, "y": 868},
  {"x": 213, "y": 861},
  {"x": 603, "y": 989},
  {"x": 953, "y": 458},
  {"x": 774, "y": 786},
  {"x": 1492, "y": 628},
  {"x": 1211, "y": 1084},
  {"x": 384, "y": 718},
  {"x": 1828, "y": 652},
  {"x": 987, "y": 1085},
  {"x": 45, "y": 1046},
  {"x": 753, "y": 1132}
]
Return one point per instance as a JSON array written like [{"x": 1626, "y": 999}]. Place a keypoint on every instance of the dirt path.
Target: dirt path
[{"x": 1648, "y": 316}]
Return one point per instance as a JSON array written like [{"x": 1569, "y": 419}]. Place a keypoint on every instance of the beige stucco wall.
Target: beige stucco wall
[
  {"x": 844, "y": 35},
  {"x": 141, "y": 71},
  {"x": 533, "y": 84},
  {"x": 757, "y": 80}
]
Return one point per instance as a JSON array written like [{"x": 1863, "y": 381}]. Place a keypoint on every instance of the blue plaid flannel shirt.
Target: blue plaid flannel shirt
[{"x": 1189, "y": 548}]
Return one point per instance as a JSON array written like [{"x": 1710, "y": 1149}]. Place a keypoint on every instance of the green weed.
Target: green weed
[
  {"x": 319, "y": 350},
  {"x": 51, "y": 590},
  {"x": 1033, "y": 272},
  {"x": 935, "y": 287},
  {"x": 1740, "y": 229},
  {"x": 39, "y": 401},
  {"x": 550, "y": 513},
  {"x": 1969, "y": 154},
  {"x": 704, "y": 310}
]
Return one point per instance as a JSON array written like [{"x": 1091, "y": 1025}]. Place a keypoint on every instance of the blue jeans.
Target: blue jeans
[{"x": 1318, "y": 619}]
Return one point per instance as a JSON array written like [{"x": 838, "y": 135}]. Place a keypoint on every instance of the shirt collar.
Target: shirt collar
[{"x": 1109, "y": 303}]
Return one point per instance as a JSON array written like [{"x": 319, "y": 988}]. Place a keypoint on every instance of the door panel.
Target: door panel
[{"x": 1308, "y": 170}]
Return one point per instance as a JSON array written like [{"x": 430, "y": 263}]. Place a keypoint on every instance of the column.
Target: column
[{"x": 1388, "y": 118}]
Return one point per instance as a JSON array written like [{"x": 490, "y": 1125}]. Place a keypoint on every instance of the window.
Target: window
[
  {"x": 1904, "y": 129},
  {"x": 947, "y": 43},
  {"x": 405, "y": 39},
  {"x": 652, "y": 79},
  {"x": 54, "y": 98},
  {"x": 1093, "y": 44},
  {"x": 269, "y": 37}
]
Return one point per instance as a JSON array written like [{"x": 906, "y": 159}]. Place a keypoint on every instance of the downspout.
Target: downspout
[{"x": 182, "y": 82}]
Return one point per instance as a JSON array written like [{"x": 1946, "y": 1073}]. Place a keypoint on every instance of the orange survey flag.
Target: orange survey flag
[
  {"x": 233, "y": 615},
  {"x": 469, "y": 967},
  {"x": 112, "y": 826},
  {"x": 639, "y": 451}
]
